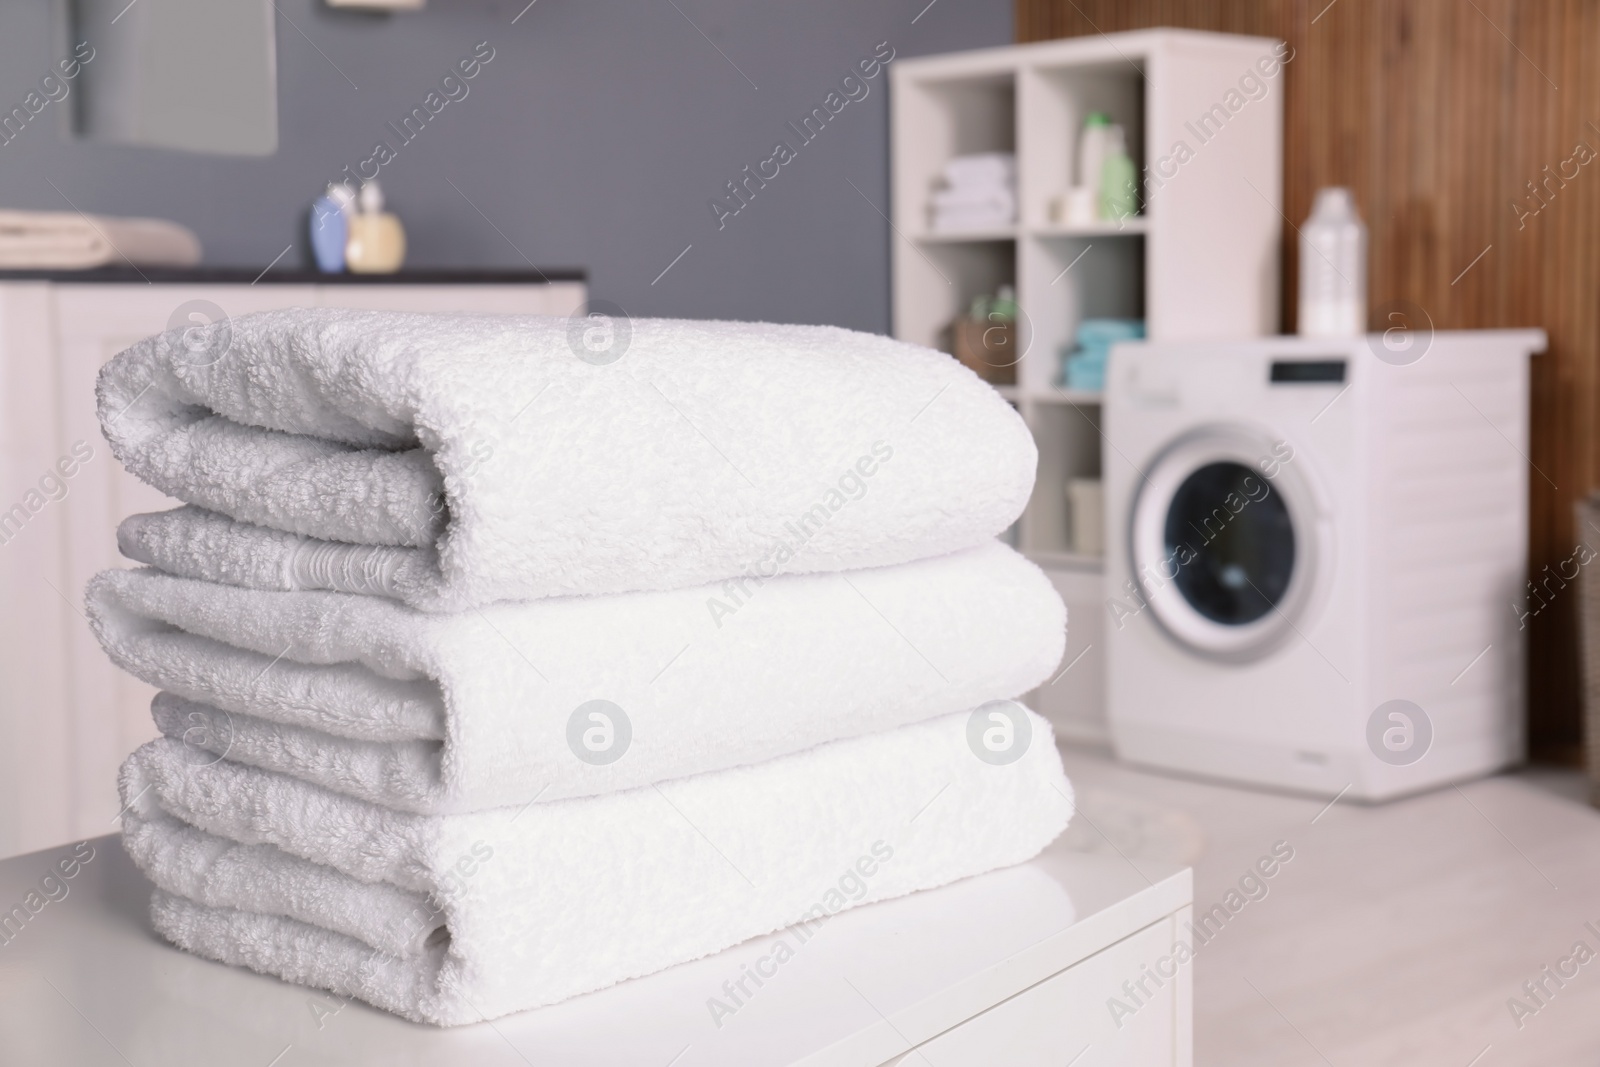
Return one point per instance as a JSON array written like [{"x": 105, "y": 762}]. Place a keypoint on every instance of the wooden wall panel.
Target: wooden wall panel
[{"x": 1442, "y": 115}]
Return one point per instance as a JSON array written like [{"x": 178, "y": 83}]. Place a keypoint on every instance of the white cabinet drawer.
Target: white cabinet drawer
[{"x": 1065, "y": 1019}]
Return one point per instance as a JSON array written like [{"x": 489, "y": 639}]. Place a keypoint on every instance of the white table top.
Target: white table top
[{"x": 86, "y": 981}]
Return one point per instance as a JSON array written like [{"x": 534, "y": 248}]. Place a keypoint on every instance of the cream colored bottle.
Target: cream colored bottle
[{"x": 377, "y": 241}]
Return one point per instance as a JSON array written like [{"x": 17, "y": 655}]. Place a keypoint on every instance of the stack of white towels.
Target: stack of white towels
[
  {"x": 52, "y": 240},
  {"x": 979, "y": 192},
  {"x": 494, "y": 673}
]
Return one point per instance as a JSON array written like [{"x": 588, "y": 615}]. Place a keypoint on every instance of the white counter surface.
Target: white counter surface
[{"x": 86, "y": 981}]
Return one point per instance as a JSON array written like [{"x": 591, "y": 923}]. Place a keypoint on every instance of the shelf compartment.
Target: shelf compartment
[
  {"x": 1057, "y": 99},
  {"x": 938, "y": 118},
  {"x": 1066, "y": 280},
  {"x": 944, "y": 278},
  {"x": 1069, "y": 441}
]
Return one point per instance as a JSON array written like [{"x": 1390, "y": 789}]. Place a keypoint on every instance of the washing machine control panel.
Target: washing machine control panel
[{"x": 1307, "y": 372}]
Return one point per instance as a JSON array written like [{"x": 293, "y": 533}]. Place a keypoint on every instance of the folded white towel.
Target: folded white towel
[
  {"x": 51, "y": 240},
  {"x": 962, "y": 220},
  {"x": 452, "y": 919},
  {"x": 547, "y": 456},
  {"x": 457, "y": 712},
  {"x": 1001, "y": 201},
  {"x": 982, "y": 168}
]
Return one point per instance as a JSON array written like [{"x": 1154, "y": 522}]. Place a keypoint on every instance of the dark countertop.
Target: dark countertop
[{"x": 248, "y": 276}]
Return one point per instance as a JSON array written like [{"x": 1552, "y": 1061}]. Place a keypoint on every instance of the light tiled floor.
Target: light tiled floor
[{"x": 1397, "y": 933}]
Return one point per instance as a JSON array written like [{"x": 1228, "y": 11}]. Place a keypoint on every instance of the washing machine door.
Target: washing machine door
[{"x": 1224, "y": 541}]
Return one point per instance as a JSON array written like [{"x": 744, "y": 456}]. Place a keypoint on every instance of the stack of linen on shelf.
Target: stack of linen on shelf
[
  {"x": 496, "y": 671},
  {"x": 1084, "y": 366},
  {"x": 51, "y": 240},
  {"x": 979, "y": 193}
]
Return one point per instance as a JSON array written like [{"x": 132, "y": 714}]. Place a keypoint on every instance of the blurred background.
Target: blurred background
[
  {"x": 613, "y": 158},
  {"x": 595, "y": 137}
]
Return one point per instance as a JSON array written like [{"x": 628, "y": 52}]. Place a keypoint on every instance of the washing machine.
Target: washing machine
[{"x": 1316, "y": 557}]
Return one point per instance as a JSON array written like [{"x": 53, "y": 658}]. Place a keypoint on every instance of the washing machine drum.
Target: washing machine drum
[{"x": 1223, "y": 542}]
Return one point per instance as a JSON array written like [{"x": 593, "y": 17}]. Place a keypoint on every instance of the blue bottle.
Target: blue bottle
[{"x": 330, "y": 227}]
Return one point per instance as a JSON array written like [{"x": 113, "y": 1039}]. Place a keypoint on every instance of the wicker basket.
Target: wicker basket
[
  {"x": 1587, "y": 512},
  {"x": 989, "y": 348}
]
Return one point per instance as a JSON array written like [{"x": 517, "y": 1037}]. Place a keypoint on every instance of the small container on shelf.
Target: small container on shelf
[
  {"x": 1087, "y": 516},
  {"x": 377, "y": 242},
  {"x": 330, "y": 226},
  {"x": 985, "y": 339},
  {"x": 1078, "y": 206},
  {"x": 1119, "y": 198}
]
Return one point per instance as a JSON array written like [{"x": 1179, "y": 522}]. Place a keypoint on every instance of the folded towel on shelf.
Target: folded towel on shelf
[
  {"x": 964, "y": 209},
  {"x": 453, "y": 919},
  {"x": 980, "y": 193},
  {"x": 49, "y": 240},
  {"x": 1085, "y": 366},
  {"x": 502, "y": 458},
  {"x": 996, "y": 201},
  {"x": 982, "y": 168},
  {"x": 455, "y": 712},
  {"x": 961, "y": 220}
]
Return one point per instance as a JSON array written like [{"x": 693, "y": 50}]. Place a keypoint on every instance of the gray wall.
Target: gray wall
[{"x": 594, "y": 138}]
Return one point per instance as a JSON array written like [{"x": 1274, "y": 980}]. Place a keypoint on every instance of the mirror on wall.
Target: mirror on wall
[{"x": 194, "y": 75}]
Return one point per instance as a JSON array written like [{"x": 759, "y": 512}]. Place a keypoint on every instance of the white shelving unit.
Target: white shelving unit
[{"x": 1201, "y": 260}]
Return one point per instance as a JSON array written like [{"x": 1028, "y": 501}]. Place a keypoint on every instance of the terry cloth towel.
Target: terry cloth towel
[
  {"x": 981, "y": 169},
  {"x": 954, "y": 220},
  {"x": 434, "y": 713},
  {"x": 453, "y": 919},
  {"x": 512, "y": 458},
  {"x": 998, "y": 201},
  {"x": 46, "y": 240},
  {"x": 971, "y": 212}
]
